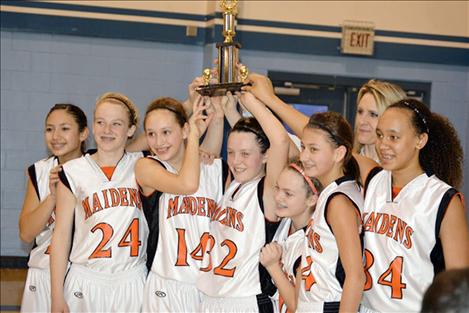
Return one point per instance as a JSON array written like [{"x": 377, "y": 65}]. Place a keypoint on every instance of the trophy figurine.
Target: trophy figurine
[{"x": 227, "y": 71}]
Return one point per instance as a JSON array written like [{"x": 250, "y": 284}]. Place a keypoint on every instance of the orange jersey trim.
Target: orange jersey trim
[
  {"x": 395, "y": 191},
  {"x": 108, "y": 171}
]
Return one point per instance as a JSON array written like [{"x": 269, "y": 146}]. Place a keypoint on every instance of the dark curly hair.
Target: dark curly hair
[
  {"x": 443, "y": 141},
  {"x": 251, "y": 125},
  {"x": 340, "y": 133}
]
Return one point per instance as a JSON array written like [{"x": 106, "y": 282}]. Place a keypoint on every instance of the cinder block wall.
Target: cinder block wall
[{"x": 39, "y": 70}]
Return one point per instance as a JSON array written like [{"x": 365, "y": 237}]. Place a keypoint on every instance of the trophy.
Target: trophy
[{"x": 227, "y": 70}]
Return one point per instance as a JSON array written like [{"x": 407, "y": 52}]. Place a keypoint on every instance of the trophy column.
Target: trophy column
[{"x": 227, "y": 57}]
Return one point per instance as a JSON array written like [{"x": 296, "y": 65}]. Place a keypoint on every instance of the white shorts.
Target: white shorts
[
  {"x": 36, "y": 295},
  {"x": 317, "y": 307},
  {"x": 86, "y": 290},
  {"x": 229, "y": 305},
  {"x": 364, "y": 309},
  {"x": 167, "y": 295}
]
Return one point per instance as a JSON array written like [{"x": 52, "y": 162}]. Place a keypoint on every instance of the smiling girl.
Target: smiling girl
[
  {"x": 231, "y": 278},
  {"x": 179, "y": 193},
  {"x": 65, "y": 134},
  {"x": 99, "y": 209},
  {"x": 331, "y": 276},
  {"x": 414, "y": 220},
  {"x": 296, "y": 195}
]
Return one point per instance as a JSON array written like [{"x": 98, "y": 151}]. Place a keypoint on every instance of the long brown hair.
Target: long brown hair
[{"x": 339, "y": 133}]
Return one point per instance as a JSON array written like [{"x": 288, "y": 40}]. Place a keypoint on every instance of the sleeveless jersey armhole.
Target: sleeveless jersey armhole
[
  {"x": 297, "y": 265},
  {"x": 226, "y": 174},
  {"x": 370, "y": 175},
  {"x": 436, "y": 255},
  {"x": 33, "y": 178},
  {"x": 63, "y": 178},
  {"x": 357, "y": 210}
]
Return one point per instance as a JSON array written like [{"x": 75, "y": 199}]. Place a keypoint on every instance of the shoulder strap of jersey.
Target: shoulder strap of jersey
[
  {"x": 370, "y": 175},
  {"x": 449, "y": 194},
  {"x": 225, "y": 174},
  {"x": 357, "y": 210},
  {"x": 436, "y": 255},
  {"x": 156, "y": 160},
  {"x": 260, "y": 193},
  {"x": 33, "y": 178},
  {"x": 63, "y": 178},
  {"x": 91, "y": 151}
]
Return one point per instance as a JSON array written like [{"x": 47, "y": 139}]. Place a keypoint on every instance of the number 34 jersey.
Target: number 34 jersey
[
  {"x": 110, "y": 232},
  {"x": 402, "y": 246}
]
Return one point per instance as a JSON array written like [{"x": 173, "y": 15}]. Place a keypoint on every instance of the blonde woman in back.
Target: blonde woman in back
[{"x": 373, "y": 98}]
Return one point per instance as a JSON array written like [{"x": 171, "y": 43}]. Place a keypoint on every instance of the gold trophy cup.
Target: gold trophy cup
[{"x": 227, "y": 71}]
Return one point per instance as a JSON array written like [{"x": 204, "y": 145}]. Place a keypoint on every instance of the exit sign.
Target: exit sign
[{"x": 358, "y": 38}]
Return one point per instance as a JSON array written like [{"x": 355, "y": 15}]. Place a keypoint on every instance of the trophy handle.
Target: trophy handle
[
  {"x": 207, "y": 75},
  {"x": 243, "y": 73}
]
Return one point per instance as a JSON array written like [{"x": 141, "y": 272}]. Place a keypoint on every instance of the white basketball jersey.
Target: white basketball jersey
[
  {"x": 292, "y": 248},
  {"x": 39, "y": 175},
  {"x": 322, "y": 271},
  {"x": 231, "y": 265},
  {"x": 184, "y": 225},
  {"x": 402, "y": 248},
  {"x": 110, "y": 228}
]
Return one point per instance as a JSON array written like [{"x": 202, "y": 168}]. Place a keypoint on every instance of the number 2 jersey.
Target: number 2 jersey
[
  {"x": 322, "y": 273},
  {"x": 39, "y": 175},
  {"x": 402, "y": 246},
  {"x": 110, "y": 229},
  {"x": 182, "y": 223}
]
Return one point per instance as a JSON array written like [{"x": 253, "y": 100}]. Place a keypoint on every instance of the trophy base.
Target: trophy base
[{"x": 220, "y": 89}]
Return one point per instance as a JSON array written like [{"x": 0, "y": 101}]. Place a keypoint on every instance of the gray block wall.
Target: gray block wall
[{"x": 39, "y": 70}]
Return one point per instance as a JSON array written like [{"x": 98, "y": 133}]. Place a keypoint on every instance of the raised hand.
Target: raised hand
[
  {"x": 248, "y": 101},
  {"x": 206, "y": 157},
  {"x": 54, "y": 179},
  {"x": 198, "y": 121},
  {"x": 261, "y": 87}
]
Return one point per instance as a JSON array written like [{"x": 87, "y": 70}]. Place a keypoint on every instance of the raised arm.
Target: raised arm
[
  {"x": 262, "y": 88},
  {"x": 230, "y": 108},
  {"x": 213, "y": 139},
  {"x": 192, "y": 95},
  {"x": 365, "y": 164},
  {"x": 60, "y": 247},
  {"x": 35, "y": 214},
  {"x": 152, "y": 176},
  {"x": 277, "y": 155}
]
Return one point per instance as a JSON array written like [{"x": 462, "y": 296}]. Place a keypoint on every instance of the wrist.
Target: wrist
[
  {"x": 194, "y": 135},
  {"x": 274, "y": 267},
  {"x": 271, "y": 98},
  {"x": 51, "y": 197}
]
